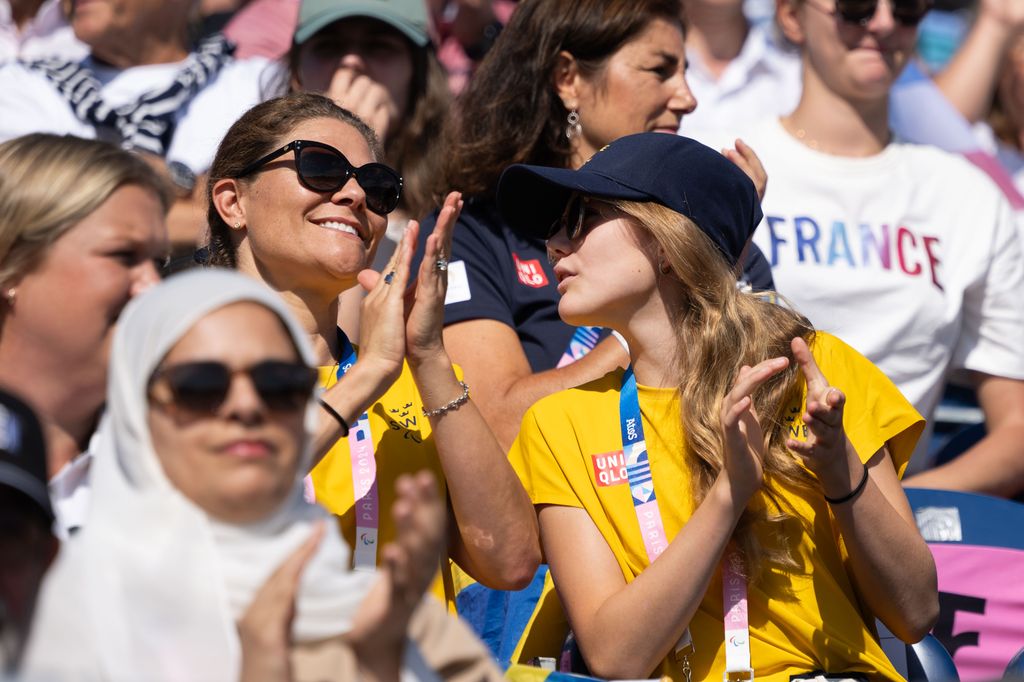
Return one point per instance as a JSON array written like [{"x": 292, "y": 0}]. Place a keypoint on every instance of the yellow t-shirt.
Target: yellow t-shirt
[
  {"x": 402, "y": 444},
  {"x": 561, "y": 457}
]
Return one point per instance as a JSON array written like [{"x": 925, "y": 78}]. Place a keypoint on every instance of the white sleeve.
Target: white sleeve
[
  {"x": 31, "y": 105},
  {"x": 993, "y": 308},
  {"x": 239, "y": 86}
]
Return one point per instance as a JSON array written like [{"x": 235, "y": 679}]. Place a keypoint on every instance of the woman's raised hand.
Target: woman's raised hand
[
  {"x": 382, "y": 319},
  {"x": 426, "y": 307},
  {"x": 825, "y": 450},
  {"x": 744, "y": 439},
  {"x": 265, "y": 629}
]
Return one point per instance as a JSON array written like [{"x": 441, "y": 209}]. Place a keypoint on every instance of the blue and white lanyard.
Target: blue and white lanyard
[{"x": 652, "y": 530}]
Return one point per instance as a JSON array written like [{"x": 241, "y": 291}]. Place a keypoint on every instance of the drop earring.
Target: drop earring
[{"x": 573, "y": 127}]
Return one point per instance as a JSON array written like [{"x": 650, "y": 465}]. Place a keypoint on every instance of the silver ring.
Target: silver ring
[
  {"x": 389, "y": 277},
  {"x": 441, "y": 264}
]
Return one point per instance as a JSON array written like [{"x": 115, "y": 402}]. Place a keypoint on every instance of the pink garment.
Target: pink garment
[
  {"x": 454, "y": 59},
  {"x": 263, "y": 28}
]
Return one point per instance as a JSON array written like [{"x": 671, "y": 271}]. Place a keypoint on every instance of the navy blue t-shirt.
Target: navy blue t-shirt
[{"x": 497, "y": 274}]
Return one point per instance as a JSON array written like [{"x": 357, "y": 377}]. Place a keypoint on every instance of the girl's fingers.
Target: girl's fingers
[
  {"x": 748, "y": 381},
  {"x": 816, "y": 382}
]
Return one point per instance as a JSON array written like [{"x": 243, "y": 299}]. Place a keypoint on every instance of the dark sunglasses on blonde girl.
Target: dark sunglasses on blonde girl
[
  {"x": 202, "y": 387},
  {"x": 322, "y": 168}
]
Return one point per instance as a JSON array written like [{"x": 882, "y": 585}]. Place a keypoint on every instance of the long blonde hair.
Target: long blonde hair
[
  {"x": 721, "y": 328},
  {"x": 48, "y": 183}
]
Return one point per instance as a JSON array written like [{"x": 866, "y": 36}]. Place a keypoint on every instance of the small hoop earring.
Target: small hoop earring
[{"x": 573, "y": 127}]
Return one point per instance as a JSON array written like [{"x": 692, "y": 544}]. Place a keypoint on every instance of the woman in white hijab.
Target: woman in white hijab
[{"x": 198, "y": 498}]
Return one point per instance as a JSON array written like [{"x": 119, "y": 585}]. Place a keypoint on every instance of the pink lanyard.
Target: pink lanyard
[{"x": 652, "y": 529}]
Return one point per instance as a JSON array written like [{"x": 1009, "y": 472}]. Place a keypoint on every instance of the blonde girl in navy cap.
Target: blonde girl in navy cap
[{"x": 729, "y": 503}]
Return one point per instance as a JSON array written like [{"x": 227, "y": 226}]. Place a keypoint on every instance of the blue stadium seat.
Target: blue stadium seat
[{"x": 928, "y": 661}]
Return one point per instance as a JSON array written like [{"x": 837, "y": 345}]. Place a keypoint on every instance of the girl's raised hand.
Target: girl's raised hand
[
  {"x": 826, "y": 444},
  {"x": 744, "y": 439}
]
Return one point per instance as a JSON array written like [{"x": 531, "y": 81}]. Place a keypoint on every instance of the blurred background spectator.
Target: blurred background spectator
[
  {"x": 142, "y": 86},
  {"x": 81, "y": 232}
]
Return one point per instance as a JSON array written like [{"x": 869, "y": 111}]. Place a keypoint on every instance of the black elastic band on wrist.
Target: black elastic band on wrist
[
  {"x": 334, "y": 413},
  {"x": 853, "y": 493}
]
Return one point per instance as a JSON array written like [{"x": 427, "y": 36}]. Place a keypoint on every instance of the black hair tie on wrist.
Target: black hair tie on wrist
[
  {"x": 334, "y": 413},
  {"x": 853, "y": 493}
]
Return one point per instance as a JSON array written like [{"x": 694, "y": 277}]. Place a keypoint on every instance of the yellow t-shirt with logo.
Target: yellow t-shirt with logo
[
  {"x": 402, "y": 444},
  {"x": 567, "y": 453}
]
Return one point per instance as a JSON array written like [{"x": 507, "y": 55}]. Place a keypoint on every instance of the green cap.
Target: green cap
[{"x": 408, "y": 16}]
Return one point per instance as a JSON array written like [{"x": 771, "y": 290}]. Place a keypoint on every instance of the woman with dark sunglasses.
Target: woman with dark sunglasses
[
  {"x": 202, "y": 560},
  {"x": 728, "y": 506},
  {"x": 908, "y": 253},
  {"x": 299, "y": 201}
]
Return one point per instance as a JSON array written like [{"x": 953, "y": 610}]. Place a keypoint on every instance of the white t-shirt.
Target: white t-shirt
[
  {"x": 763, "y": 80},
  {"x": 31, "y": 104},
  {"x": 910, "y": 256}
]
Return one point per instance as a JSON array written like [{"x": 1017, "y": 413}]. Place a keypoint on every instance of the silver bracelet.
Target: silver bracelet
[{"x": 453, "y": 405}]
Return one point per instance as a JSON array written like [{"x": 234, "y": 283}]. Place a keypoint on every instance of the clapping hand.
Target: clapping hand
[
  {"x": 407, "y": 567},
  {"x": 744, "y": 438},
  {"x": 426, "y": 304},
  {"x": 265, "y": 629},
  {"x": 825, "y": 450}
]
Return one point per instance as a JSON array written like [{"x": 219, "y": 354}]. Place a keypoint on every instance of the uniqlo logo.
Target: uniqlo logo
[
  {"x": 610, "y": 468},
  {"x": 530, "y": 272}
]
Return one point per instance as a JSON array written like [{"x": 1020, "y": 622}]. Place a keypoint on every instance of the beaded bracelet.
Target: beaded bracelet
[
  {"x": 334, "y": 413},
  {"x": 453, "y": 405},
  {"x": 853, "y": 493}
]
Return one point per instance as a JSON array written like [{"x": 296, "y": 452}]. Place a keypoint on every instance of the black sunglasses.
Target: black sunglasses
[
  {"x": 203, "y": 386},
  {"x": 906, "y": 12},
  {"x": 322, "y": 168},
  {"x": 571, "y": 219}
]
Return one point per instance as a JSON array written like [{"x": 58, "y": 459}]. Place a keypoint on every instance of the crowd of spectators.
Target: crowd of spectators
[{"x": 314, "y": 313}]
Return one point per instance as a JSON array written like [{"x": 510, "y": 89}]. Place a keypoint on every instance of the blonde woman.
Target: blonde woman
[
  {"x": 81, "y": 232},
  {"x": 742, "y": 459}
]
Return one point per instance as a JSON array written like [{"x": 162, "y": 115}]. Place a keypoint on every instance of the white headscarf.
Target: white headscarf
[{"x": 152, "y": 587}]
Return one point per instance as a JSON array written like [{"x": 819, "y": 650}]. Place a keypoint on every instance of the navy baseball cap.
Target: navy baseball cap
[
  {"x": 670, "y": 170},
  {"x": 23, "y": 453}
]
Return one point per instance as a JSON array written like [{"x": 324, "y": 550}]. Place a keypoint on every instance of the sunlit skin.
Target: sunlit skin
[
  {"x": 66, "y": 306},
  {"x": 299, "y": 239},
  {"x": 641, "y": 88},
  {"x": 608, "y": 272},
  {"x": 131, "y": 32},
  {"x": 855, "y": 62},
  {"x": 239, "y": 463}
]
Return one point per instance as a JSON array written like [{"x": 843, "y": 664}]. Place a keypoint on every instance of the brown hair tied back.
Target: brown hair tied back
[{"x": 258, "y": 132}]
